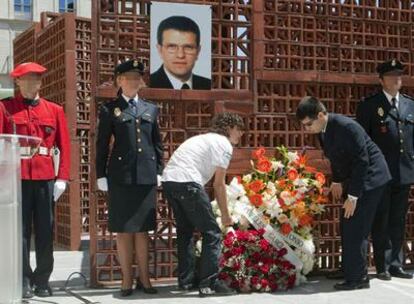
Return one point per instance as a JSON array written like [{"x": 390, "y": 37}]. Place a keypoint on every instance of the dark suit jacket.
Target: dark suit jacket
[
  {"x": 136, "y": 156},
  {"x": 355, "y": 159},
  {"x": 392, "y": 131},
  {"x": 159, "y": 79}
]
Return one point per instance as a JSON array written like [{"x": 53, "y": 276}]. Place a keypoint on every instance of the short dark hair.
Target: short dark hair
[
  {"x": 222, "y": 121},
  {"x": 310, "y": 107},
  {"x": 178, "y": 23}
]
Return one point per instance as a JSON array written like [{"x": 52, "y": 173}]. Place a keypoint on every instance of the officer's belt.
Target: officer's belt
[{"x": 41, "y": 151}]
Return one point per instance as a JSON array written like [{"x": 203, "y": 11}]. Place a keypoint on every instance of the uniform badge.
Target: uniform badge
[
  {"x": 380, "y": 112},
  {"x": 117, "y": 112},
  {"x": 394, "y": 62},
  {"x": 135, "y": 64}
]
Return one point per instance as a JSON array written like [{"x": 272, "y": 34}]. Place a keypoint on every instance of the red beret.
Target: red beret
[{"x": 27, "y": 67}]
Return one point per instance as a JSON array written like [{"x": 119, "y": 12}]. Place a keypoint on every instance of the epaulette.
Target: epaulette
[{"x": 408, "y": 96}]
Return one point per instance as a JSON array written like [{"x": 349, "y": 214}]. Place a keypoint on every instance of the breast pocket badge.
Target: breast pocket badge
[
  {"x": 380, "y": 112},
  {"x": 117, "y": 112}
]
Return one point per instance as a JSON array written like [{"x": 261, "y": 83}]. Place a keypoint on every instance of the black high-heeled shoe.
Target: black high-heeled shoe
[
  {"x": 148, "y": 290},
  {"x": 126, "y": 292}
]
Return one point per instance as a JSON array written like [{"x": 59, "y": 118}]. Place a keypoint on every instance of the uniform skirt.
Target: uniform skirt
[{"x": 131, "y": 207}]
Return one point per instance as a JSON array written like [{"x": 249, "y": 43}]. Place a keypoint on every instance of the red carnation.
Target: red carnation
[
  {"x": 264, "y": 245},
  {"x": 264, "y": 283},
  {"x": 254, "y": 280}
]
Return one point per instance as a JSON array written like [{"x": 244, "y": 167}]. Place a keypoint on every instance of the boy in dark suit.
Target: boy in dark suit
[{"x": 359, "y": 174}]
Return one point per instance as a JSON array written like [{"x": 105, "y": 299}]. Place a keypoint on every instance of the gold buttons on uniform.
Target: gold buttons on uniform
[
  {"x": 120, "y": 158},
  {"x": 139, "y": 150},
  {"x": 139, "y": 130},
  {"x": 402, "y": 150},
  {"x": 139, "y": 140},
  {"x": 401, "y": 141}
]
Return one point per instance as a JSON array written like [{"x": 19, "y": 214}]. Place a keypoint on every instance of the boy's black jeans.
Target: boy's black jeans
[{"x": 192, "y": 209}]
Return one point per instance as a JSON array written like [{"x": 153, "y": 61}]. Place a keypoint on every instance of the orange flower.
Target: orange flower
[
  {"x": 281, "y": 183},
  {"x": 320, "y": 178},
  {"x": 301, "y": 162},
  {"x": 285, "y": 228},
  {"x": 292, "y": 174},
  {"x": 321, "y": 199},
  {"x": 257, "y": 154},
  {"x": 256, "y": 200},
  {"x": 299, "y": 209},
  {"x": 256, "y": 186},
  {"x": 305, "y": 220},
  {"x": 264, "y": 165}
]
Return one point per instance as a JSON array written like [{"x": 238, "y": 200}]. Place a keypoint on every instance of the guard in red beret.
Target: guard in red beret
[{"x": 43, "y": 179}]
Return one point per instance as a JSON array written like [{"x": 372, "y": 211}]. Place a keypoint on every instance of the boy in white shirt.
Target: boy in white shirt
[{"x": 191, "y": 166}]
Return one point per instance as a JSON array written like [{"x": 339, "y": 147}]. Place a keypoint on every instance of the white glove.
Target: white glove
[
  {"x": 102, "y": 184},
  {"x": 58, "y": 189},
  {"x": 159, "y": 180}
]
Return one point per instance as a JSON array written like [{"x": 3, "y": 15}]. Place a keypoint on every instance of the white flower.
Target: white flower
[
  {"x": 287, "y": 198},
  {"x": 301, "y": 182},
  {"x": 292, "y": 156},
  {"x": 270, "y": 188},
  {"x": 247, "y": 178},
  {"x": 234, "y": 190},
  {"x": 307, "y": 260},
  {"x": 277, "y": 165},
  {"x": 274, "y": 210}
]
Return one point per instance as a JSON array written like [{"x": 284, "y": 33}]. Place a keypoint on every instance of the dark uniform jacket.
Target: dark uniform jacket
[
  {"x": 159, "y": 79},
  {"x": 136, "y": 156},
  {"x": 355, "y": 159},
  {"x": 392, "y": 131}
]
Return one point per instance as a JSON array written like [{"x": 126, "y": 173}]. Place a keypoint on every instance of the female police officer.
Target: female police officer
[{"x": 130, "y": 175}]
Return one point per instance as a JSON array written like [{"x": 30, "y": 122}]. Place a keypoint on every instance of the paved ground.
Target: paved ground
[{"x": 318, "y": 290}]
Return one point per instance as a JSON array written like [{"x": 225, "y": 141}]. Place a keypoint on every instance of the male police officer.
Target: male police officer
[
  {"x": 388, "y": 117},
  {"x": 32, "y": 115}
]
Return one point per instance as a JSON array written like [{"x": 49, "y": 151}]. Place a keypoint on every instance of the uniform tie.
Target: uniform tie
[
  {"x": 394, "y": 102},
  {"x": 133, "y": 104},
  {"x": 185, "y": 87},
  {"x": 394, "y": 106}
]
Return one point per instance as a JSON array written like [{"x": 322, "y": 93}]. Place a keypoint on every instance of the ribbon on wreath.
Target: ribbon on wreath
[{"x": 271, "y": 235}]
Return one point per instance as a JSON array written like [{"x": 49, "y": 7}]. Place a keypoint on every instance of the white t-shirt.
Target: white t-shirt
[{"x": 197, "y": 159}]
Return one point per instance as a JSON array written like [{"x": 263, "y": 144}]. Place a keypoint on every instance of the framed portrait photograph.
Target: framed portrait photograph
[{"x": 180, "y": 46}]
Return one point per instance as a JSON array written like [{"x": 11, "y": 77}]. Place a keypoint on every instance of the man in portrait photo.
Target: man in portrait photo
[{"x": 178, "y": 45}]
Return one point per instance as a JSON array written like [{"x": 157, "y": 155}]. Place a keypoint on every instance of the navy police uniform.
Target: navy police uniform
[
  {"x": 135, "y": 159},
  {"x": 359, "y": 165},
  {"x": 390, "y": 123}
]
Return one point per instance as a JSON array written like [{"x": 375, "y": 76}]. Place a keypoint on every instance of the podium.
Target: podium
[{"x": 13, "y": 148}]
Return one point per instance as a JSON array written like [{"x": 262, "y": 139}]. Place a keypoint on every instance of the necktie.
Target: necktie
[
  {"x": 133, "y": 105},
  {"x": 394, "y": 102},
  {"x": 394, "y": 106},
  {"x": 185, "y": 87}
]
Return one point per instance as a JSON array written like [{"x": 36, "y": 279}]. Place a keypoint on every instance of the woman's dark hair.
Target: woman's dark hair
[
  {"x": 223, "y": 121},
  {"x": 309, "y": 107}
]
